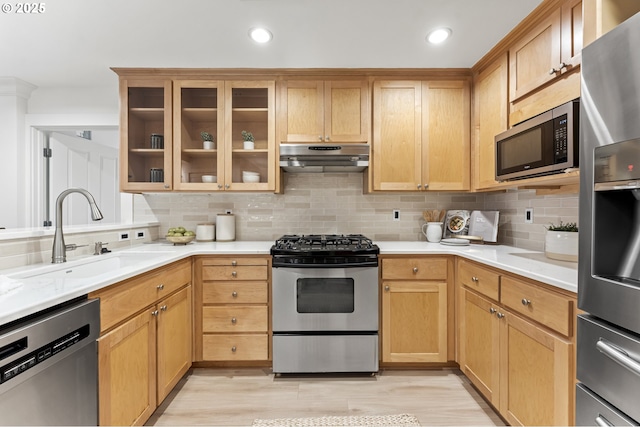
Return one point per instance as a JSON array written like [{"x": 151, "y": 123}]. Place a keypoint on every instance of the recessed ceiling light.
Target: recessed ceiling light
[
  {"x": 260, "y": 35},
  {"x": 438, "y": 35}
]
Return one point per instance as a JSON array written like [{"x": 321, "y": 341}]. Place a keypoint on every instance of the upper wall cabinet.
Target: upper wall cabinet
[
  {"x": 224, "y": 109},
  {"x": 491, "y": 115},
  {"x": 324, "y": 111},
  {"x": 421, "y": 135},
  {"x": 145, "y": 135},
  {"x": 548, "y": 51}
]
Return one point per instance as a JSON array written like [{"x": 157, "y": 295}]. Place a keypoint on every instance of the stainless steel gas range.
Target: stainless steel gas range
[{"x": 325, "y": 304}]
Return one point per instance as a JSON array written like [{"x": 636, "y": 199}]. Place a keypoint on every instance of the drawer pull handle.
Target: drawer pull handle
[
  {"x": 233, "y": 349},
  {"x": 500, "y": 315},
  {"x": 492, "y": 310},
  {"x": 474, "y": 279},
  {"x": 160, "y": 287},
  {"x": 234, "y": 294},
  {"x": 234, "y": 263},
  {"x": 619, "y": 356},
  {"x": 154, "y": 313},
  {"x": 415, "y": 269},
  {"x": 386, "y": 288},
  {"x": 233, "y": 320},
  {"x": 602, "y": 421},
  {"x": 234, "y": 273},
  {"x": 526, "y": 301}
]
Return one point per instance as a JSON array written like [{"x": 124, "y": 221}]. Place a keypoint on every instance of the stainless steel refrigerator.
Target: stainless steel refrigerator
[{"x": 608, "y": 342}]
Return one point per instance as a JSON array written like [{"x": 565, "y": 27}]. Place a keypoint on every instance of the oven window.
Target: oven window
[{"x": 324, "y": 295}]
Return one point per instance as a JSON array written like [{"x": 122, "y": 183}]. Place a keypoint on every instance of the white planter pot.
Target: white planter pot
[{"x": 561, "y": 245}]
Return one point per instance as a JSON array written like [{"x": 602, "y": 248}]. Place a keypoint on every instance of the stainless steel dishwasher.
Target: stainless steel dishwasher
[{"x": 49, "y": 366}]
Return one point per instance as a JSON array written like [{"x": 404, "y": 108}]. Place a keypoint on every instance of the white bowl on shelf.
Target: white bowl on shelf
[
  {"x": 250, "y": 178},
  {"x": 209, "y": 178},
  {"x": 249, "y": 173}
]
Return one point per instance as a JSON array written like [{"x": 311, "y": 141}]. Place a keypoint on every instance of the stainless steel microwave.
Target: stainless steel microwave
[{"x": 543, "y": 145}]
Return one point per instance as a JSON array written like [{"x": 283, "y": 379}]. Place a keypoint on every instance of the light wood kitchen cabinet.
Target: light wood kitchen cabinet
[
  {"x": 145, "y": 346},
  {"x": 491, "y": 117},
  {"x": 145, "y": 135},
  {"x": 421, "y": 135},
  {"x": 414, "y": 309},
  {"x": 232, "y": 309},
  {"x": 224, "y": 109},
  {"x": 517, "y": 345},
  {"x": 313, "y": 111},
  {"x": 548, "y": 51}
]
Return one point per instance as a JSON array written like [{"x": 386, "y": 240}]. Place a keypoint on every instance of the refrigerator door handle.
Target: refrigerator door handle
[
  {"x": 602, "y": 421},
  {"x": 619, "y": 356}
]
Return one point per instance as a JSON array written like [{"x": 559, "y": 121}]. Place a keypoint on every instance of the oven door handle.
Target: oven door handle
[{"x": 618, "y": 355}]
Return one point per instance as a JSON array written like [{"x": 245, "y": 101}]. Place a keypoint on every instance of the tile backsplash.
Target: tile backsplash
[
  {"x": 335, "y": 203},
  {"x": 315, "y": 203}
]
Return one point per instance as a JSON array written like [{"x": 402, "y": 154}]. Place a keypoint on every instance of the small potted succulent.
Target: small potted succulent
[
  {"x": 207, "y": 140},
  {"x": 561, "y": 242},
  {"x": 249, "y": 140}
]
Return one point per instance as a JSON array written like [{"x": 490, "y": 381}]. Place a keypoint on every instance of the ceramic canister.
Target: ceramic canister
[
  {"x": 205, "y": 232},
  {"x": 226, "y": 225}
]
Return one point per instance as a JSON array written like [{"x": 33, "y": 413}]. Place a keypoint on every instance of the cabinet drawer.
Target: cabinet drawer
[
  {"x": 414, "y": 268},
  {"x": 235, "y": 347},
  {"x": 235, "y": 319},
  {"x": 479, "y": 279},
  {"x": 228, "y": 272},
  {"x": 551, "y": 309},
  {"x": 235, "y": 292},
  {"x": 233, "y": 262},
  {"x": 126, "y": 298}
]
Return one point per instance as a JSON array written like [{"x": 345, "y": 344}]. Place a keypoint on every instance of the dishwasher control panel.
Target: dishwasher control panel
[{"x": 43, "y": 353}]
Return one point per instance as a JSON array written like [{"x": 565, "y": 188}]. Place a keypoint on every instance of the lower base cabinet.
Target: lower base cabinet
[{"x": 523, "y": 370}]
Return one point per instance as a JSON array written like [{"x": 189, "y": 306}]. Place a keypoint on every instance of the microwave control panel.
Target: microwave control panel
[{"x": 560, "y": 130}]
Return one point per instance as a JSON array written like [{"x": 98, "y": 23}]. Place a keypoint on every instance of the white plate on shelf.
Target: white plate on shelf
[{"x": 455, "y": 242}]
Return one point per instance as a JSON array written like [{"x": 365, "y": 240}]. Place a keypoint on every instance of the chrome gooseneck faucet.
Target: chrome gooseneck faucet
[{"x": 59, "y": 252}]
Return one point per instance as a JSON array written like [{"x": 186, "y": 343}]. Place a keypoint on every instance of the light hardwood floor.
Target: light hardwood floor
[{"x": 222, "y": 397}]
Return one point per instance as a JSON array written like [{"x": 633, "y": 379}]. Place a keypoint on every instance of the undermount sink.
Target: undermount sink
[{"x": 90, "y": 267}]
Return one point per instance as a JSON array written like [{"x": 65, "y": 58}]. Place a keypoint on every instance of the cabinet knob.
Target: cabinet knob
[
  {"x": 415, "y": 269},
  {"x": 319, "y": 137},
  {"x": 386, "y": 288},
  {"x": 552, "y": 71},
  {"x": 492, "y": 310},
  {"x": 419, "y": 186},
  {"x": 163, "y": 308},
  {"x": 561, "y": 66},
  {"x": 234, "y": 263},
  {"x": 327, "y": 138},
  {"x": 500, "y": 315},
  {"x": 226, "y": 186},
  {"x": 526, "y": 301},
  {"x": 234, "y": 320},
  {"x": 426, "y": 186},
  {"x": 160, "y": 287},
  {"x": 220, "y": 186},
  {"x": 474, "y": 279},
  {"x": 233, "y": 349},
  {"x": 166, "y": 186},
  {"x": 234, "y": 273},
  {"x": 154, "y": 313},
  {"x": 234, "y": 294}
]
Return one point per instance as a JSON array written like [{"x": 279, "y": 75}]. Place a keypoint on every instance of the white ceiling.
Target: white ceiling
[{"x": 74, "y": 42}]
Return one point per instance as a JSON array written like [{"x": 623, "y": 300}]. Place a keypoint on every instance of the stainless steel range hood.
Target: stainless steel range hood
[{"x": 324, "y": 157}]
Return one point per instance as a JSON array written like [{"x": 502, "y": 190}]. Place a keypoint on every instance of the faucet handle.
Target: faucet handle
[
  {"x": 100, "y": 249},
  {"x": 73, "y": 246}
]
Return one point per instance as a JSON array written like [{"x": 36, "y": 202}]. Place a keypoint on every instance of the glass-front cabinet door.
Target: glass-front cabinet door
[
  {"x": 145, "y": 132},
  {"x": 198, "y": 154},
  {"x": 250, "y": 164}
]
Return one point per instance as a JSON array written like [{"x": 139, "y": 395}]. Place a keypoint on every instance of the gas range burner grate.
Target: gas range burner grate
[{"x": 318, "y": 249}]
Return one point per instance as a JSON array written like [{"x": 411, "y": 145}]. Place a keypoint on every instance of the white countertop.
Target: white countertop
[{"x": 21, "y": 296}]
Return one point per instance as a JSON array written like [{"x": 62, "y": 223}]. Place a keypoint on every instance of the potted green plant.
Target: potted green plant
[
  {"x": 207, "y": 140},
  {"x": 248, "y": 140},
  {"x": 561, "y": 242}
]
